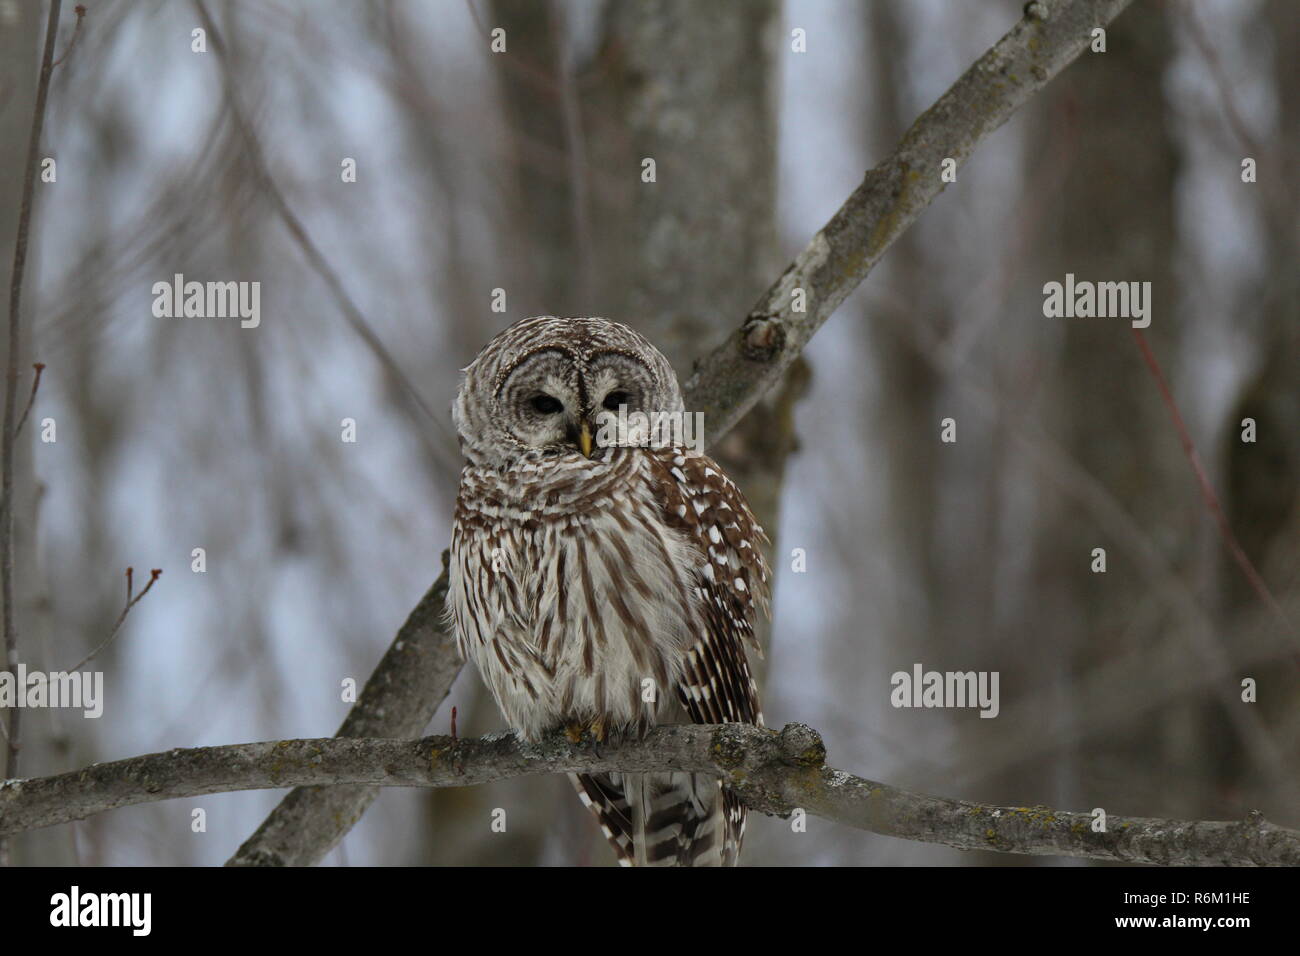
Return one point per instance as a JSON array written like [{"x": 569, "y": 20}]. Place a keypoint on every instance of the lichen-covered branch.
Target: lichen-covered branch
[
  {"x": 727, "y": 383},
  {"x": 731, "y": 379},
  {"x": 773, "y": 772}
]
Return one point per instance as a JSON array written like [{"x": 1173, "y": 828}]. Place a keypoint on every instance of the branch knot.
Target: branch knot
[
  {"x": 762, "y": 338},
  {"x": 801, "y": 746}
]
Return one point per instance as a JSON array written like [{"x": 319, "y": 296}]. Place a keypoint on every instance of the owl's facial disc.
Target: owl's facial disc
[
  {"x": 553, "y": 401},
  {"x": 620, "y": 385},
  {"x": 540, "y": 402},
  {"x": 614, "y": 380}
]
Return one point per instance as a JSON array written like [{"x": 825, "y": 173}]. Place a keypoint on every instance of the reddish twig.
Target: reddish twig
[
  {"x": 121, "y": 618},
  {"x": 1207, "y": 491},
  {"x": 80, "y": 10},
  {"x": 31, "y": 399}
]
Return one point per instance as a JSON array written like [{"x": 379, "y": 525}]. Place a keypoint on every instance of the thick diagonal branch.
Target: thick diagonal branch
[
  {"x": 777, "y": 773},
  {"x": 727, "y": 383}
]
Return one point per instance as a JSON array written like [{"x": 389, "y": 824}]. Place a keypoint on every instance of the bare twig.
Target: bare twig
[
  {"x": 80, "y": 11},
  {"x": 11, "y": 391},
  {"x": 776, "y": 773},
  {"x": 1203, "y": 480},
  {"x": 31, "y": 399},
  {"x": 1221, "y": 83},
  {"x": 443, "y": 452},
  {"x": 539, "y": 78},
  {"x": 131, "y": 602}
]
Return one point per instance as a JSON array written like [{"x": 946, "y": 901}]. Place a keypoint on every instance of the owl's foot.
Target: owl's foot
[
  {"x": 599, "y": 734},
  {"x": 573, "y": 730},
  {"x": 598, "y": 729}
]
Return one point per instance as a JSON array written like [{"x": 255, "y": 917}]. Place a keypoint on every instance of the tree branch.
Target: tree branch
[
  {"x": 773, "y": 772},
  {"x": 735, "y": 375},
  {"x": 401, "y": 696},
  {"x": 399, "y": 700}
]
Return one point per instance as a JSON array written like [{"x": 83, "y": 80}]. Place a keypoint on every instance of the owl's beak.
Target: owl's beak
[{"x": 584, "y": 440}]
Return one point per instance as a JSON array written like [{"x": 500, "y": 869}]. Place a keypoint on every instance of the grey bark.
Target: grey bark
[{"x": 777, "y": 773}]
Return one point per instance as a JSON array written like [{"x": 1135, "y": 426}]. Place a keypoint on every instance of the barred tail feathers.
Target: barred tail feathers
[{"x": 665, "y": 819}]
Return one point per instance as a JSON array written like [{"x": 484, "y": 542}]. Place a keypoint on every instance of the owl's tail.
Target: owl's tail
[{"x": 665, "y": 819}]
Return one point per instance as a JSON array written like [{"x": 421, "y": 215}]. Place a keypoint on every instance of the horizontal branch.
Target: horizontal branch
[{"x": 773, "y": 772}]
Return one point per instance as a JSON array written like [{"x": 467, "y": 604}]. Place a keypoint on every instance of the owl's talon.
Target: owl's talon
[{"x": 573, "y": 730}]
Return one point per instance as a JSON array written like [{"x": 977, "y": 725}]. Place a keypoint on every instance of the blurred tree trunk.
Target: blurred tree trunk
[
  {"x": 682, "y": 258},
  {"x": 909, "y": 386},
  {"x": 904, "y": 413},
  {"x": 1114, "y": 218},
  {"x": 1262, "y": 493}
]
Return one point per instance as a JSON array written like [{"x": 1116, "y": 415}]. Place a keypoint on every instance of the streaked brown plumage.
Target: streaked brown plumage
[{"x": 613, "y": 591}]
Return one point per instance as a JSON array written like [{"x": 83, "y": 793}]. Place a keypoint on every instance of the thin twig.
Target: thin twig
[
  {"x": 121, "y": 618},
  {"x": 80, "y": 10},
  {"x": 31, "y": 399},
  {"x": 11, "y": 392},
  {"x": 442, "y": 452},
  {"x": 1222, "y": 85},
  {"x": 539, "y": 78},
  {"x": 1207, "y": 490}
]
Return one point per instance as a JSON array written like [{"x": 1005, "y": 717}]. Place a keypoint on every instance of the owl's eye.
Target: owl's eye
[
  {"x": 614, "y": 399},
  {"x": 546, "y": 405}
]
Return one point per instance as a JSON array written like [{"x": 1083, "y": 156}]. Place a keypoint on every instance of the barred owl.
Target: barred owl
[{"x": 600, "y": 582}]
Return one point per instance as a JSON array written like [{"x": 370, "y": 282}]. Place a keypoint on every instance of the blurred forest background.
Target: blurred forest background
[{"x": 522, "y": 171}]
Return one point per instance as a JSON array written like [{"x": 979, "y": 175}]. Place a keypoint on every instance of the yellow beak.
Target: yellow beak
[{"x": 584, "y": 441}]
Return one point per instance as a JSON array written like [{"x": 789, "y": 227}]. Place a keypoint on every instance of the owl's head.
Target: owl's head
[{"x": 540, "y": 387}]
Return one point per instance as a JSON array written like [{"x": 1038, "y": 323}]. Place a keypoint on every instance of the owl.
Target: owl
[{"x": 604, "y": 579}]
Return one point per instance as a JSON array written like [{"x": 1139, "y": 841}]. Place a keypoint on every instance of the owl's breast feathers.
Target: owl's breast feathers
[
  {"x": 618, "y": 593},
  {"x": 609, "y": 589}
]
